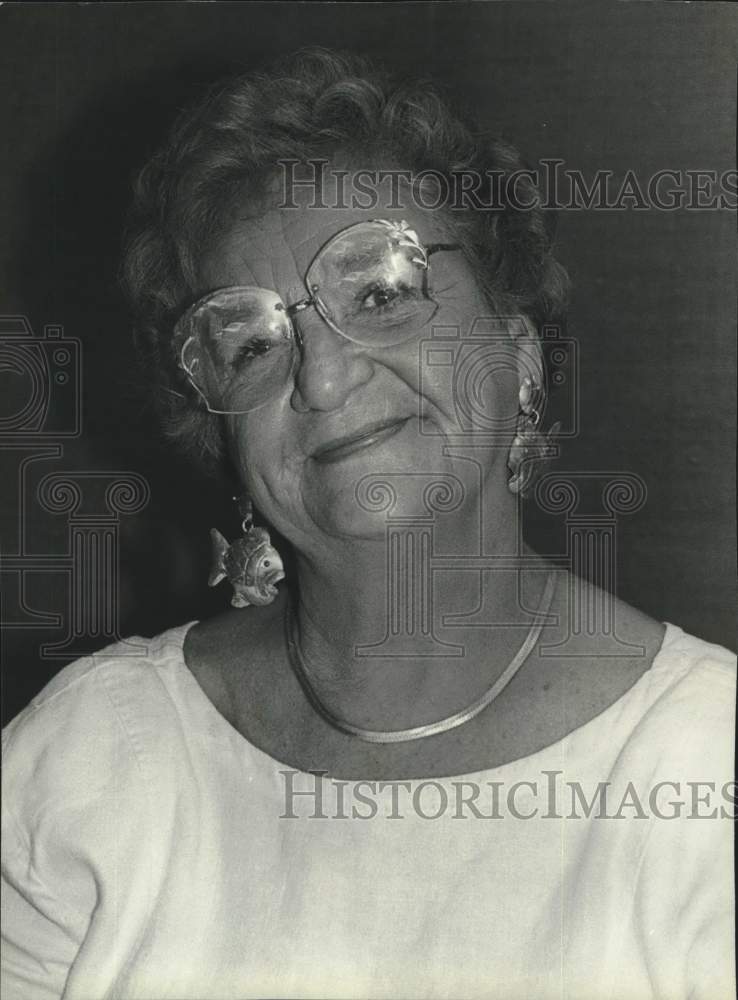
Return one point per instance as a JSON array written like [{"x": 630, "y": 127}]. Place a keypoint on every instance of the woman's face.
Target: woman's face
[{"x": 349, "y": 410}]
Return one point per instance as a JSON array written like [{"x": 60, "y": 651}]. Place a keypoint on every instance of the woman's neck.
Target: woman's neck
[{"x": 391, "y": 641}]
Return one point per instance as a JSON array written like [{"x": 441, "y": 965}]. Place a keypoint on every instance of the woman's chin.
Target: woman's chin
[{"x": 360, "y": 493}]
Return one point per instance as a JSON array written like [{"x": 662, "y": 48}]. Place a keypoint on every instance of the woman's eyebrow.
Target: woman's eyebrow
[{"x": 355, "y": 259}]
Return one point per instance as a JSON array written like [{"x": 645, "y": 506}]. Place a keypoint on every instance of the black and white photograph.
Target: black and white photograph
[{"x": 368, "y": 524}]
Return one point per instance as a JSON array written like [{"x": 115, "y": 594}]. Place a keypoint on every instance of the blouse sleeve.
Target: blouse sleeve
[
  {"x": 686, "y": 890},
  {"x": 39, "y": 932},
  {"x": 649, "y": 910},
  {"x": 69, "y": 781}
]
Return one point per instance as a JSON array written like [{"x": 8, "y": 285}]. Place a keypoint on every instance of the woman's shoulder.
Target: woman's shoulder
[
  {"x": 687, "y": 674},
  {"x": 96, "y": 714},
  {"x": 693, "y": 652},
  {"x": 636, "y": 647},
  {"x": 699, "y": 677},
  {"x": 132, "y": 660},
  {"x": 681, "y": 716},
  {"x": 650, "y": 689}
]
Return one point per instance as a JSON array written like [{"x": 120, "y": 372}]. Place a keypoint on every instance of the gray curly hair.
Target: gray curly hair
[{"x": 227, "y": 147}]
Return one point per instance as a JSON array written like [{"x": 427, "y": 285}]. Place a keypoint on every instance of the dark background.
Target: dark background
[{"x": 87, "y": 91}]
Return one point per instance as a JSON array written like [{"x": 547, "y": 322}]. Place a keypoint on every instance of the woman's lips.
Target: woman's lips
[{"x": 335, "y": 451}]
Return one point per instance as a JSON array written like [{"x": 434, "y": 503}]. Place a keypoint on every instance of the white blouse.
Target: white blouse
[{"x": 150, "y": 851}]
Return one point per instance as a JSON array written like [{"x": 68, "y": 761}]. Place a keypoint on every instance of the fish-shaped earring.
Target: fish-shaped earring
[{"x": 251, "y": 563}]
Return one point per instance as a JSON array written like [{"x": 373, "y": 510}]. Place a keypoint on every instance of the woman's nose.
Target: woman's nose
[{"x": 330, "y": 366}]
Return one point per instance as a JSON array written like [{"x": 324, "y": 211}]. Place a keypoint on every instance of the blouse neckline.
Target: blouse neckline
[{"x": 177, "y": 636}]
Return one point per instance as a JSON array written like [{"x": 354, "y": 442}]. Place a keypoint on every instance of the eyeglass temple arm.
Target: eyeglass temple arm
[{"x": 434, "y": 247}]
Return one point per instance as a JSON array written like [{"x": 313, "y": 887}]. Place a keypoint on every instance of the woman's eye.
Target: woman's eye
[
  {"x": 248, "y": 352},
  {"x": 383, "y": 296}
]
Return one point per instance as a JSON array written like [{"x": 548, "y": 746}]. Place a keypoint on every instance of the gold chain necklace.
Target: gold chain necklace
[{"x": 430, "y": 728}]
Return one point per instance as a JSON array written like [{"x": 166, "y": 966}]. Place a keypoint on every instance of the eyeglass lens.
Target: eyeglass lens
[{"x": 369, "y": 283}]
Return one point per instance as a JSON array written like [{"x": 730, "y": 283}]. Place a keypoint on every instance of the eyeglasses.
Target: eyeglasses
[{"x": 369, "y": 283}]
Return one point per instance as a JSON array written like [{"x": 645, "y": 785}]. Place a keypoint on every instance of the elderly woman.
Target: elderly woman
[{"x": 377, "y": 778}]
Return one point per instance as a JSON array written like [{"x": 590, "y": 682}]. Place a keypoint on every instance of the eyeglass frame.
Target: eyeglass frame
[{"x": 409, "y": 238}]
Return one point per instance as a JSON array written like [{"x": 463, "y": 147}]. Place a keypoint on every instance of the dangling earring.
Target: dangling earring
[
  {"x": 531, "y": 449},
  {"x": 251, "y": 563}
]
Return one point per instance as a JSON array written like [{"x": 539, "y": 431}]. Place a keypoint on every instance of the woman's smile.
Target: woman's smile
[{"x": 365, "y": 437}]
